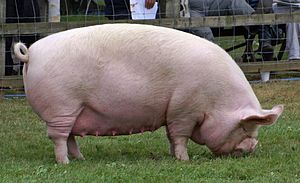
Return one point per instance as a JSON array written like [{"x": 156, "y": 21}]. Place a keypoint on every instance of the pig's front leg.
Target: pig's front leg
[
  {"x": 178, "y": 134},
  {"x": 180, "y": 148},
  {"x": 73, "y": 148}
]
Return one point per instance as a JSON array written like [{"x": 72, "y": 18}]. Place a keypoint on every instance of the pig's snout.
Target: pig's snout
[{"x": 247, "y": 146}]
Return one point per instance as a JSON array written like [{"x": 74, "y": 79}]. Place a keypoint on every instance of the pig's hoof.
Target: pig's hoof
[
  {"x": 63, "y": 161},
  {"x": 182, "y": 156},
  {"x": 80, "y": 157}
]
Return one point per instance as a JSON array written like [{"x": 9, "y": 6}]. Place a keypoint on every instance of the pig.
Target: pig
[{"x": 122, "y": 79}]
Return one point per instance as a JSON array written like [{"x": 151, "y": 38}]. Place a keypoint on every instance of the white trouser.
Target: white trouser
[
  {"x": 292, "y": 32},
  {"x": 54, "y": 11}
]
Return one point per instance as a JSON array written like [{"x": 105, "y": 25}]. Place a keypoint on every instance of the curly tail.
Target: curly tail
[{"x": 21, "y": 52}]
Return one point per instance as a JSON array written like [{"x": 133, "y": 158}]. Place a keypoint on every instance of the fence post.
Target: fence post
[
  {"x": 2, "y": 39},
  {"x": 172, "y": 8}
]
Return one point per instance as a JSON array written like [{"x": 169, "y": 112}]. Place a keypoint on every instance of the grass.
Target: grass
[
  {"x": 26, "y": 154},
  {"x": 75, "y": 18}
]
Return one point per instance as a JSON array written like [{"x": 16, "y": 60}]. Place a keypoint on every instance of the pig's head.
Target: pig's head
[{"x": 234, "y": 134}]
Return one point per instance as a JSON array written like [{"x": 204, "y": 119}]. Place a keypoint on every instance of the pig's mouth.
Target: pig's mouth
[{"x": 246, "y": 146}]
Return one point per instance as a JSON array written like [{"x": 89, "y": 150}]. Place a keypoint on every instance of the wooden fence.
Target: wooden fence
[{"x": 172, "y": 20}]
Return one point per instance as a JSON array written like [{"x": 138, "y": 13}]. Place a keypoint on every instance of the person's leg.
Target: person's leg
[
  {"x": 204, "y": 32},
  {"x": 264, "y": 6},
  {"x": 265, "y": 39},
  {"x": 199, "y": 8},
  {"x": 30, "y": 11},
  {"x": 265, "y": 36},
  {"x": 11, "y": 17},
  {"x": 8, "y": 59},
  {"x": 292, "y": 41},
  {"x": 230, "y": 7},
  {"x": 117, "y": 10},
  {"x": 264, "y": 31},
  {"x": 298, "y": 37}
]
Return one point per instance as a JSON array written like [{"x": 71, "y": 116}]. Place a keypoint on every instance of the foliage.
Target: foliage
[{"x": 26, "y": 154}]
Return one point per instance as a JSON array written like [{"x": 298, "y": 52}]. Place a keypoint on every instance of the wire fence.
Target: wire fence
[{"x": 262, "y": 38}]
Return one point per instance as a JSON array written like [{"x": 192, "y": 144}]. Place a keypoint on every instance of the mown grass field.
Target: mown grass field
[{"x": 26, "y": 154}]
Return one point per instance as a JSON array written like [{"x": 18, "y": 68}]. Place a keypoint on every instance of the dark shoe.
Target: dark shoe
[
  {"x": 267, "y": 56},
  {"x": 267, "y": 52},
  {"x": 267, "y": 48}
]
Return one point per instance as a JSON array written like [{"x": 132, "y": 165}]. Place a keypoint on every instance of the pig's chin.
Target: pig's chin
[{"x": 246, "y": 146}]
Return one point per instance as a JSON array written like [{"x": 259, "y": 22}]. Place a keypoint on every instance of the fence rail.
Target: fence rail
[{"x": 177, "y": 23}]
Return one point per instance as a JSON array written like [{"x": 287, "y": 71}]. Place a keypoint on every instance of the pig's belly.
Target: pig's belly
[{"x": 91, "y": 122}]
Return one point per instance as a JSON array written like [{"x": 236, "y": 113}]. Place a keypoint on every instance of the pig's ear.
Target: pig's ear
[{"x": 268, "y": 117}]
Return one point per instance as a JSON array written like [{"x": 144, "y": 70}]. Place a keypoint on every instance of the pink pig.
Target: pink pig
[{"x": 121, "y": 79}]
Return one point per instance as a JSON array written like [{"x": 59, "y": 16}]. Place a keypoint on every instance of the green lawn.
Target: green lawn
[{"x": 26, "y": 154}]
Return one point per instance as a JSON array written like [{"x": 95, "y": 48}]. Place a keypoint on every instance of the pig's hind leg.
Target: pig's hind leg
[
  {"x": 73, "y": 148},
  {"x": 60, "y": 147},
  {"x": 172, "y": 152},
  {"x": 59, "y": 131}
]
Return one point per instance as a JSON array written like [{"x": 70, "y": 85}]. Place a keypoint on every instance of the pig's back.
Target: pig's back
[{"x": 144, "y": 48}]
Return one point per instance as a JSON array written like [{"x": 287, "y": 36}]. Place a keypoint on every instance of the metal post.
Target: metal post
[{"x": 2, "y": 39}]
